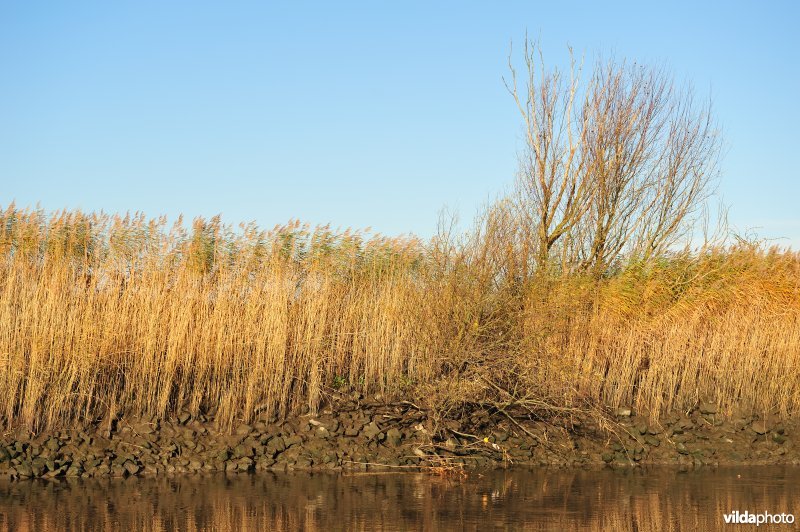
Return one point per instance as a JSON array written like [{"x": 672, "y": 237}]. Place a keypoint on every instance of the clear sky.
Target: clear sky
[{"x": 358, "y": 114}]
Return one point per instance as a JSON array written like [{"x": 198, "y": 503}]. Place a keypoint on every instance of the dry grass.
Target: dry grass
[
  {"x": 114, "y": 313},
  {"x": 722, "y": 326},
  {"x": 104, "y": 314}
]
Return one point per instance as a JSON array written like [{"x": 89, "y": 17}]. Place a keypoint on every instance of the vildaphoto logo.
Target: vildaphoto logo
[{"x": 764, "y": 518}]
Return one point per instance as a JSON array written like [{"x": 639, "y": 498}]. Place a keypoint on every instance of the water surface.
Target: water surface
[{"x": 653, "y": 499}]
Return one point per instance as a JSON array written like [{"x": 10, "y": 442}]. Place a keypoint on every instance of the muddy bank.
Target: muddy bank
[{"x": 358, "y": 434}]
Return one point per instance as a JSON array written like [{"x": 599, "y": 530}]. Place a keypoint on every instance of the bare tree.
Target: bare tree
[
  {"x": 614, "y": 164},
  {"x": 554, "y": 188}
]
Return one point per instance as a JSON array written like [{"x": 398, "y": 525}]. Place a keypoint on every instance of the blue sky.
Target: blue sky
[{"x": 356, "y": 114}]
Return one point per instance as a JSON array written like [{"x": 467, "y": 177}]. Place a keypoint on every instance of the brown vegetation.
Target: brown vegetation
[
  {"x": 570, "y": 292},
  {"x": 102, "y": 314}
]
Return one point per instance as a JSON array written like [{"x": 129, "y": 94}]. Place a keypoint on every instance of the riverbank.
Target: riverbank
[
  {"x": 120, "y": 313},
  {"x": 355, "y": 433}
]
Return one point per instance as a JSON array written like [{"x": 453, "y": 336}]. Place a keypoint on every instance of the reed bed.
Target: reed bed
[{"x": 102, "y": 315}]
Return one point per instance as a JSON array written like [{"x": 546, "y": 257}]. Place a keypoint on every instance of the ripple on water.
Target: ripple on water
[{"x": 651, "y": 499}]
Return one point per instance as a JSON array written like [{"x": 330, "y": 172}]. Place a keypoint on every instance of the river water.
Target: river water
[{"x": 643, "y": 500}]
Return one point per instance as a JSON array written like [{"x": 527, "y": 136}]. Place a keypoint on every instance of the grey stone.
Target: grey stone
[
  {"x": 24, "y": 469},
  {"x": 144, "y": 428},
  {"x": 131, "y": 467},
  {"x": 303, "y": 463},
  {"x": 501, "y": 436},
  {"x": 245, "y": 464},
  {"x": 779, "y": 438},
  {"x": 276, "y": 445},
  {"x": 708, "y": 408},
  {"x": 652, "y": 440},
  {"x": 371, "y": 430},
  {"x": 38, "y": 466},
  {"x": 243, "y": 450},
  {"x": 224, "y": 455},
  {"x": 293, "y": 440},
  {"x": 243, "y": 430},
  {"x": 394, "y": 436}
]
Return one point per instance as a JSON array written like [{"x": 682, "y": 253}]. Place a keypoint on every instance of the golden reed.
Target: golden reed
[{"x": 107, "y": 314}]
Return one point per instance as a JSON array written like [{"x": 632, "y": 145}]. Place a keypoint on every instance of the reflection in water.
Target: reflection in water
[{"x": 653, "y": 499}]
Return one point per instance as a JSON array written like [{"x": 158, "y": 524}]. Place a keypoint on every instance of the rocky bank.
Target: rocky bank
[{"x": 359, "y": 434}]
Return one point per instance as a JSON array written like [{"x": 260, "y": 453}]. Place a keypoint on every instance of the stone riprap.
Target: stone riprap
[{"x": 359, "y": 435}]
